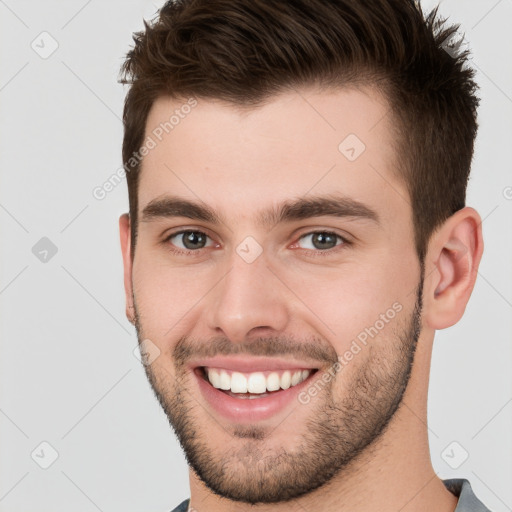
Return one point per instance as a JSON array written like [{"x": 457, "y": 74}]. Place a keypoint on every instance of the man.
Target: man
[{"x": 297, "y": 233}]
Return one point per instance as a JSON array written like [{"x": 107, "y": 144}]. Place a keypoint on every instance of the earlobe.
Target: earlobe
[
  {"x": 125, "y": 238},
  {"x": 456, "y": 251}
]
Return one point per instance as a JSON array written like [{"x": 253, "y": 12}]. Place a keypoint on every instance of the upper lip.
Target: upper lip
[{"x": 252, "y": 364}]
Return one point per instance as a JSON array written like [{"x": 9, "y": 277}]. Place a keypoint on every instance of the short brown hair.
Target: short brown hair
[{"x": 244, "y": 51}]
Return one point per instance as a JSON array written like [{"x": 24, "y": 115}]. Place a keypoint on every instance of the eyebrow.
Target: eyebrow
[{"x": 298, "y": 209}]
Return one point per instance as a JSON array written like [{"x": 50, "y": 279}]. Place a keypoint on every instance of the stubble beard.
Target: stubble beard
[{"x": 337, "y": 432}]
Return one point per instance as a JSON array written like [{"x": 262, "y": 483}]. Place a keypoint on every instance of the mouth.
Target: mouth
[
  {"x": 249, "y": 397},
  {"x": 253, "y": 385}
]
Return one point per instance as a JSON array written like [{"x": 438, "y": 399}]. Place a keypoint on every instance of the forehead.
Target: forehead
[{"x": 297, "y": 143}]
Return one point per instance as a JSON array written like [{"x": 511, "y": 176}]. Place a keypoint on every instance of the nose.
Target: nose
[{"x": 249, "y": 301}]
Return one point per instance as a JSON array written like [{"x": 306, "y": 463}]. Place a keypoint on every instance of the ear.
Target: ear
[
  {"x": 125, "y": 235},
  {"x": 454, "y": 254}
]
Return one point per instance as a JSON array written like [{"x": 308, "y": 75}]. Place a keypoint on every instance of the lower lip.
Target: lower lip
[{"x": 245, "y": 410}]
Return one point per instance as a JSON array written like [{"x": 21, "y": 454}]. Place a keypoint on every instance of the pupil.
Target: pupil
[
  {"x": 324, "y": 240},
  {"x": 193, "y": 240}
]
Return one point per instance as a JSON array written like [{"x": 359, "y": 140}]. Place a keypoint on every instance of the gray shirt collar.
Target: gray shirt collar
[{"x": 468, "y": 502}]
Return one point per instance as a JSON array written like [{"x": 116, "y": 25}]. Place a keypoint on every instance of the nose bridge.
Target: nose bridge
[{"x": 247, "y": 298}]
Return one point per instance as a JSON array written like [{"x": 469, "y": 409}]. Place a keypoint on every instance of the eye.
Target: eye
[
  {"x": 189, "y": 240},
  {"x": 320, "y": 240}
]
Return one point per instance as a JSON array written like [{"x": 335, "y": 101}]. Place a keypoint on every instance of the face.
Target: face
[{"x": 276, "y": 279}]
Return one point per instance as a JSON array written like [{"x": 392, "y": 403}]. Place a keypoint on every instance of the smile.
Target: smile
[
  {"x": 242, "y": 396},
  {"x": 255, "y": 384}
]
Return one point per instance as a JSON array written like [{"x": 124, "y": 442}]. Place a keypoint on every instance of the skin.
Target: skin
[{"x": 239, "y": 162}]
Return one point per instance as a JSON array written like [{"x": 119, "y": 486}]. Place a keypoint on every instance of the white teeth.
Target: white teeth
[
  {"x": 273, "y": 382},
  {"x": 214, "y": 377},
  {"x": 225, "y": 380},
  {"x": 238, "y": 383},
  {"x": 286, "y": 380},
  {"x": 296, "y": 378},
  {"x": 255, "y": 382}
]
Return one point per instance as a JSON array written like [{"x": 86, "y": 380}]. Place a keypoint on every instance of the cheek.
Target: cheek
[
  {"x": 357, "y": 302},
  {"x": 167, "y": 296}
]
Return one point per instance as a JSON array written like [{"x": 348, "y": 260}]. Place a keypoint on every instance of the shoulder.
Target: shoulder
[
  {"x": 182, "y": 507},
  {"x": 468, "y": 502}
]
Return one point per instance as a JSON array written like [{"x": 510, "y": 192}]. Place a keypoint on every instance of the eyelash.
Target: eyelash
[{"x": 313, "y": 253}]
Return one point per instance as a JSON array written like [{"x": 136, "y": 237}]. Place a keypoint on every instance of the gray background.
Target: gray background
[{"x": 68, "y": 373}]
